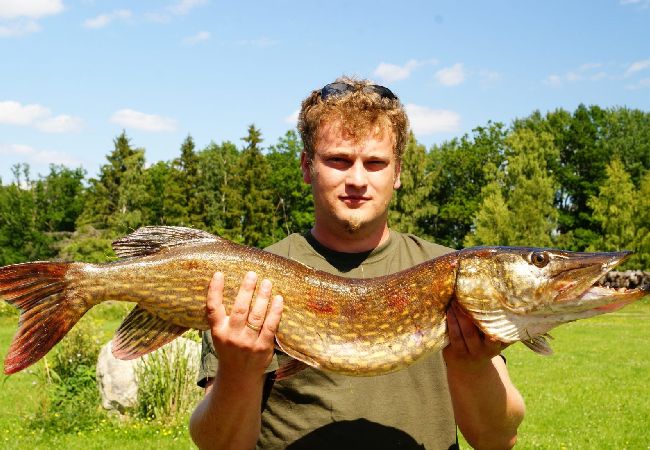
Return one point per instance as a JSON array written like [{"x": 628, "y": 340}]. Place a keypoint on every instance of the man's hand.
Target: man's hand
[
  {"x": 487, "y": 407},
  {"x": 468, "y": 347},
  {"x": 244, "y": 340},
  {"x": 229, "y": 414}
]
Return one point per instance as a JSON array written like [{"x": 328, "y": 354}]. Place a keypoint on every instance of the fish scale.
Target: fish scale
[{"x": 358, "y": 327}]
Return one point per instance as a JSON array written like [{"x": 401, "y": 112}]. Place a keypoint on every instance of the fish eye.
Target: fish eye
[{"x": 540, "y": 259}]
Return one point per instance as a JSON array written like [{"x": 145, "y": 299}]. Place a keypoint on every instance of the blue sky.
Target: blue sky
[{"x": 74, "y": 74}]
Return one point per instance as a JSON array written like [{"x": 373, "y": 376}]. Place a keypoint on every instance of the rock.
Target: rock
[
  {"x": 116, "y": 378},
  {"x": 628, "y": 279}
]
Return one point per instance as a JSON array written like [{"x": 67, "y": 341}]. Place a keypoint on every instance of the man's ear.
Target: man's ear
[
  {"x": 305, "y": 165},
  {"x": 398, "y": 172}
]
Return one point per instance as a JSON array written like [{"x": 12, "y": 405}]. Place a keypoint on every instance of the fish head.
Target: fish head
[{"x": 520, "y": 293}]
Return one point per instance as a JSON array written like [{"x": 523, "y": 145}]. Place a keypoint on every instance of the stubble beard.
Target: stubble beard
[{"x": 354, "y": 223}]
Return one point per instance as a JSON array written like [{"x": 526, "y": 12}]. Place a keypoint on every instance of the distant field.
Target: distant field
[{"x": 594, "y": 393}]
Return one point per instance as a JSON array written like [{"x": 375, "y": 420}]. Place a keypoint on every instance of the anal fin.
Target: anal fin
[{"x": 141, "y": 333}]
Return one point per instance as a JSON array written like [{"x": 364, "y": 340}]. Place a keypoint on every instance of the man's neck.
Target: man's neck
[{"x": 350, "y": 242}]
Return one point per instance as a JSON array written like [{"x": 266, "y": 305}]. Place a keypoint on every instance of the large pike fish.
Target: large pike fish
[{"x": 350, "y": 326}]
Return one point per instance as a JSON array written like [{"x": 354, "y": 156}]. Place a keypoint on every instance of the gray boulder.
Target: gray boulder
[{"x": 116, "y": 378}]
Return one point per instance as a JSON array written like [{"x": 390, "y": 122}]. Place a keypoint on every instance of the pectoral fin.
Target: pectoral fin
[{"x": 539, "y": 344}]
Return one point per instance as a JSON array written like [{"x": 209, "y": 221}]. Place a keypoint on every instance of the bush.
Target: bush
[
  {"x": 167, "y": 384},
  {"x": 72, "y": 402}
]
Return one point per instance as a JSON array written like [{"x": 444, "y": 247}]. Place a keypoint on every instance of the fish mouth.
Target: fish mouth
[{"x": 578, "y": 286}]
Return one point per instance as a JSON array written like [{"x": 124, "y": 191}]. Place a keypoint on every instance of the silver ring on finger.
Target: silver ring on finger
[{"x": 253, "y": 327}]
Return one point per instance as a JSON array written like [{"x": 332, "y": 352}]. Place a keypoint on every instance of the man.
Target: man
[{"x": 354, "y": 134}]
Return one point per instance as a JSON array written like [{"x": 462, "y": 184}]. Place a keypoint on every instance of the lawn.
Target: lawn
[{"x": 593, "y": 393}]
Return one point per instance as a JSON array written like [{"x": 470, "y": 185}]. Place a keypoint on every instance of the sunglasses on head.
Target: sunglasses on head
[{"x": 339, "y": 88}]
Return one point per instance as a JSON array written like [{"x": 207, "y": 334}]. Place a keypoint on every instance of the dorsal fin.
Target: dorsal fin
[{"x": 149, "y": 240}]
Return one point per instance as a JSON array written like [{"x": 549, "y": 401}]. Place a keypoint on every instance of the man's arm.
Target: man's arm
[
  {"x": 230, "y": 413},
  {"x": 487, "y": 406}
]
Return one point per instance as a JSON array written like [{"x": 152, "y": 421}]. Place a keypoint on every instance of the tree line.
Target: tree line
[{"x": 575, "y": 180}]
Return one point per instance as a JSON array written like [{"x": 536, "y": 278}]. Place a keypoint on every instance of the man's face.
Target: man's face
[{"x": 352, "y": 183}]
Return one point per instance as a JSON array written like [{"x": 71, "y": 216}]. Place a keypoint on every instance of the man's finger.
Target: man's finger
[
  {"x": 242, "y": 304},
  {"x": 468, "y": 330},
  {"x": 257, "y": 313},
  {"x": 215, "y": 311},
  {"x": 272, "y": 321},
  {"x": 453, "y": 329}
]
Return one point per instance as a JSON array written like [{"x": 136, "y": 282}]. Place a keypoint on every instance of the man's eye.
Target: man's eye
[{"x": 376, "y": 164}]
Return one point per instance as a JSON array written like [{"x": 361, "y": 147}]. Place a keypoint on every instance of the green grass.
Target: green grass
[
  {"x": 594, "y": 393},
  {"x": 22, "y": 395}
]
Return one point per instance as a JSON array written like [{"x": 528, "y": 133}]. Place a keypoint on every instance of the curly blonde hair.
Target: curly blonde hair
[{"x": 359, "y": 111}]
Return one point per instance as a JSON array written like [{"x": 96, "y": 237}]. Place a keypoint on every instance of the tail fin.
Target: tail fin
[{"x": 38, "y": 289}]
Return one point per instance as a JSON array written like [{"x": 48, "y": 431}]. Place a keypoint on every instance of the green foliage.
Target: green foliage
[
  {"x": 20, "y": 237},
  {"x": 460, "y": 176},
  {"x": 294, "y": 206},
  {"x": 410, "y": 207},
  {"x": 59, "y": 198},
  {"x": 73, "y": 402},
  {"x": 117, "y": 197},
  {"x": 88, "y": 245},
  {"x": 167, "y": 384},
  {"x": 218, "y": 163},
  {"x": 536, "y": 182},
  {"x": 517, "y": 207},
  {"x": 249, "y": 211},
  {"x": 614, "y": 209}
]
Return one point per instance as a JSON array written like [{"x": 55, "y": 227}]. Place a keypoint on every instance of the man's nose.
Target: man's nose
[{"x": 357, "y": 175}]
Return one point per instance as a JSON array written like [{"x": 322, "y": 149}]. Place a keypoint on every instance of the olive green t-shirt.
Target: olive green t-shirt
[{"x": 408, "y": 409}]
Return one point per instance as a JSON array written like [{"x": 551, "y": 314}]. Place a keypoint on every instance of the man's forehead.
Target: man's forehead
[{"x": 333, "y": 134}]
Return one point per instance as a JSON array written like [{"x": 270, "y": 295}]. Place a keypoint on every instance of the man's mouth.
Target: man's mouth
[{"x": 354, "y": 199}]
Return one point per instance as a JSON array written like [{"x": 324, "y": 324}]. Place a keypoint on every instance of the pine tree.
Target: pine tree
[
  {"x": 115, "y": 200},
  {"x": 188, "y": 179},
  {"x": 252, "y": 221}
]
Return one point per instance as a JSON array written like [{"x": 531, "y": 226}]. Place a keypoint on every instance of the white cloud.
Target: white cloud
[
  {"x": 584, "y": 72},
  {"x": 429, "y": 121},
  {"x": 489, "y": 76},
  {"x": 637, "y": 66},
  {"x": 553, "y": 80},
  {"x": 34, "y": 9},
  {"x": 13, "y": 113},
  {"x": 129, "y": 118},
  {"x": 185, "y": 6},
  {"x": 18, "y": 17},
  {"x": 104, "y": 19},
  {"x": 451, "y": 76},
  {"x": 37, "y": 116},
  {"x": 641, "y": 3},
  {"x": 641, "y": 84},
  {"x": 19, "y": 28},
  {"x": 392, "y": 72},
  {"x": 199, "y": 37},
  {"x": 180, "y": 8},
  {"x": 60, "y": 124},
  {"x": 40, "y": 157},
  {"x": 15, "y": 149},
  {"x": 262, "y": 42},
  {"x": 293, "y": 118}
]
